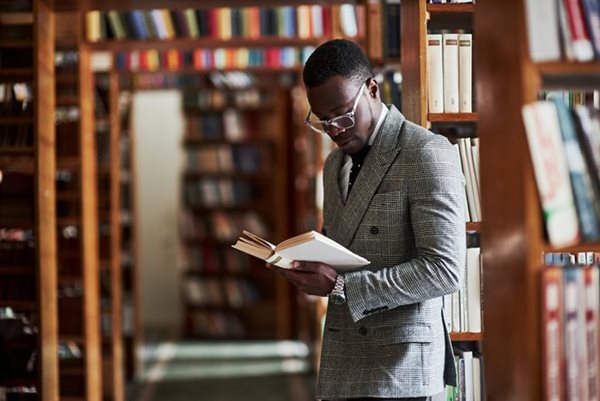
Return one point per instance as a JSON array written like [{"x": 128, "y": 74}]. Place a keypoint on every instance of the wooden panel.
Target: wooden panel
[
  {"x": 452, "y": 117},
  {"x": 89, "y": 228},
  {"x": 45, "y": 168},
  {"x": 115, "y": 242},
  {"x": 511, "y": 230},
  {"x": 414, "y": 61}
]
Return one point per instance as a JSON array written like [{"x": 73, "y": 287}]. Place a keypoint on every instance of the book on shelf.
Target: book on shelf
[
  {"x": 465, "y": 71},
  {"x": 551, "y": 290},
  {"x": 310, "y": 246},
  {"x": 435, "y": 73},
  {"x": 542, "y": 129},
  {"x": 585, "y": 196},
  {"x": 572, "y": 26},
  {"x": 450, "y": 60}
]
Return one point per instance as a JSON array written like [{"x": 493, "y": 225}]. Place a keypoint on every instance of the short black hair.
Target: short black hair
[{"x": 336, "y": 57}]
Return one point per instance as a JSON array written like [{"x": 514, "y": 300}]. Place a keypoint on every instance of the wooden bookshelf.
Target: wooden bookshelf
[
  {"x": 109, "y": 196},
  {"x": 451, "y": 8},
  {"x": 417, "y": 18},
  {"x": 27, "y": 196},
  {"x": 513, "y": 231},
  {"x": 132, "y": 325},
  {"x": 77, "y": 221},
  {"x": 247, "y": 158},
  {"x": 452, "y": 117},
  {"x": 466, "y": 336}
]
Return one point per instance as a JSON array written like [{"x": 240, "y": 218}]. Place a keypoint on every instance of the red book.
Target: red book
[
  {"x": 212, "y": 22},
  {"x": 580, "y": 36},
  {"x": 326, "y": 20},
  {"x": 254, "y": 22},
  {"x": 592, "y": 294},
  {"x": 552, "y": 333},
  {"x": 198, "y": 59}
]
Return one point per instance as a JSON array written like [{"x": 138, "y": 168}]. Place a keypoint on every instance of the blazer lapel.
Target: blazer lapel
[{"x": 378, "y": 161}]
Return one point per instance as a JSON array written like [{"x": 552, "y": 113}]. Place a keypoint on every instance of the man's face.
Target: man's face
[{"x": 336, "y": 97}]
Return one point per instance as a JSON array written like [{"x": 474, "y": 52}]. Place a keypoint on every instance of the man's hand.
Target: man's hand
[{"x": 312, "y": 278}]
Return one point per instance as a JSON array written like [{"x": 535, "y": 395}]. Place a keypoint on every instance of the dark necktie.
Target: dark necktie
[{"x": 357, "y": 162}]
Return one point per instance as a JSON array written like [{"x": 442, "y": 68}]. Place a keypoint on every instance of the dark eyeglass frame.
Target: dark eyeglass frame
[{"x": 335, "y": 121}]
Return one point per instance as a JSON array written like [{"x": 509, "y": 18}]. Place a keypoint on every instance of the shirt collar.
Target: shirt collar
[{"x": 384, "y": 111}]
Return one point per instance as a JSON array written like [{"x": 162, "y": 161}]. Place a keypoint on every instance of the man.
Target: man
[{"x": 384, "y": 336}]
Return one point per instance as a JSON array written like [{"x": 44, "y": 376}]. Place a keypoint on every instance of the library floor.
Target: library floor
[{"x": 226, "y": 371}]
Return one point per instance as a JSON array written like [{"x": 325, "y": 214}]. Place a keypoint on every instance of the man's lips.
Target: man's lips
[{"x": 344, "y": 141}]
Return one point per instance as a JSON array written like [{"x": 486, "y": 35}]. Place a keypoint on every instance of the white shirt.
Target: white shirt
[{"x": 344, "y": 174}]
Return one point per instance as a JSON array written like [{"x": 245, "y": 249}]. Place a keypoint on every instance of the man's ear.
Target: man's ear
[{"x": 373, "y": 88}]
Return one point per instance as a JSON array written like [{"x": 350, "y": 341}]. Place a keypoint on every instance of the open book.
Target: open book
[{"x": 310, "y": 246}]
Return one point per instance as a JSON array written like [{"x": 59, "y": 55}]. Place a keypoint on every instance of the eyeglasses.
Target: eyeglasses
[{"x": 343, "y": 122}]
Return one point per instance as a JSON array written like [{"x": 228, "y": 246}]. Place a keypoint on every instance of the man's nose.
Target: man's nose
[{"x": 334, "y": 131}]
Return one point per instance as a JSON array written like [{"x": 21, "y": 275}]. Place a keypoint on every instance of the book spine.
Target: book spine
[
  {"x": 465, "y": 67},
  {"x": 435, "y": 73},
  {"x": 450, "y": 57}
]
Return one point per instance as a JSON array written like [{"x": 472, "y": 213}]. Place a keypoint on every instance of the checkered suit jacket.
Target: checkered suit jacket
[{"x": 405, "y": 214}]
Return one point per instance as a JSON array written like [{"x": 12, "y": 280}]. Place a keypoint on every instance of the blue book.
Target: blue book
[
  {"x": 138, "y": 23},
  {"x": 591, "y": 14}
]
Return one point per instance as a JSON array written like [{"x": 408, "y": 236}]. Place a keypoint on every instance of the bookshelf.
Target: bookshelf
[
  {"x": 27, "y": 203},
  {"x": 131, "y": 326},
  {"x": 513, "y": 230},
  {"x": 109, "y": 212},
  {"x": 235, "y": 162},
  {"x": 418, "y": 18},
  {"x": 77, "y": 217}
]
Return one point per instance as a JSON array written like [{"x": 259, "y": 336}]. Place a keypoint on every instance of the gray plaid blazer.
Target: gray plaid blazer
[{"x": 405, "y": 214}]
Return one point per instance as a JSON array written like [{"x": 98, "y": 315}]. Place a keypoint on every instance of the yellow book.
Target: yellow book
[
  {"x": 242, "y": 57},
  {"x": 224, "y": 23},
  {"x": 310, "y": 246},
  {"x": 92, "y": 26},
  {"x": 169, "y": 28},
  {"x": 153, "y": 60},
  {"x": 303, "y": 22}
]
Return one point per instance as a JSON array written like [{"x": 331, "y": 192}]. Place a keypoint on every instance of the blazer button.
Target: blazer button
[
  {"x": 374, "y": 230},
  {"x": 363, "y": 330}
]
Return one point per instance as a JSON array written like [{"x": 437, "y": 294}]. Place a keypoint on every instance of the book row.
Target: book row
[
  {"x": 205, "y": 257},
  {"x": 219, "y": 192},
  {"x": 209, "y": 99},
  {"x": 215, "y": 324},
  {"x": 569, "y": 331},
  {"x": 563, "y": 29},
  {"x": 228, "y": 158},
  {"x": 221, "y": 226},
  {"x": 215, "y": 292},
  {"x": 470, "y": 378},
  {"x": 462, "y": 309},
  {"x": 66, "y": 60},
  {"x": 563, "y": 144},
  {"x": 16, "y": 58},
  {"x": 15, "y": 99},
  {"x": 450, "y": 72},
  {"x": 18, "y": 253},
  {"x": 468, "y": 157},
  {"x": 566, "y": 258},
  {"x": 17, "y": 287},
  {"x": 16, "y": 136},
  {"x": 384, "y": 29},
  {"x": 207, "y": 59},
  {"x": 223, "y": 23}
]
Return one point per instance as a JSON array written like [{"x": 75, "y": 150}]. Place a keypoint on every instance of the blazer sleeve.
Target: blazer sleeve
[{"x": 436, "y": 196}]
